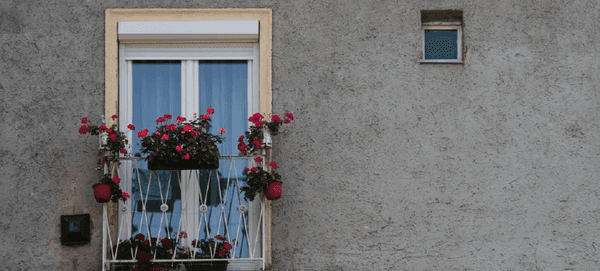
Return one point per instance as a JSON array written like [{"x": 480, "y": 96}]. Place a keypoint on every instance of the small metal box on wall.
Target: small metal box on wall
[{"x": 75, "y": 229}]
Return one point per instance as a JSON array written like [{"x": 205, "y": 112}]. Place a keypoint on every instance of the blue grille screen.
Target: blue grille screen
[{"x": 440, "y": 44}]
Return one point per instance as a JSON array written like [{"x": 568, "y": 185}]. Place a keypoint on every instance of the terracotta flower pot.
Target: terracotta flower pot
[
  {"x": 273, "y": 191},
  {"x": 102, "y": 192}
]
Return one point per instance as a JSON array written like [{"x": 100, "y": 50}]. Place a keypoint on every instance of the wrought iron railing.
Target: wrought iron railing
[{"x": 201, "y": 203}]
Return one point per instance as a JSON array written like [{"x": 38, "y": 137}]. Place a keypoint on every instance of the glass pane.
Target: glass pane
[
  {"x": 224, "y": 86},
  {"x": 441, "y": 44},
  {"x": 156, "y": 91}
]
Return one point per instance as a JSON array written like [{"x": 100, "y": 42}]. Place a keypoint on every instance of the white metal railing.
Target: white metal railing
[{"x": 245, "y": 223}]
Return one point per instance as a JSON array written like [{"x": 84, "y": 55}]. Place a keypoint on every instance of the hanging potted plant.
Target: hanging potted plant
[
  {"x": 183, "y": 144},
  {"x": 256, "y": 140},
  {"x": 112, "y": 143}
]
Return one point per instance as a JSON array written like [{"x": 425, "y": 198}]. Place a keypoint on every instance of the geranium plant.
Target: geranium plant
[
  {"x": 183, "y": 144},
  {"x": 115, "y": 141},
  {"x": 143, "y": 251},
  {"x": 108, "y": 189},
  {"x": 258, "y": 179},
  {"x": 255, "y": 138}
]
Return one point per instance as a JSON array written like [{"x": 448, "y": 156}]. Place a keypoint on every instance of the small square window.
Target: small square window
[{"x": 442, "y": 36}]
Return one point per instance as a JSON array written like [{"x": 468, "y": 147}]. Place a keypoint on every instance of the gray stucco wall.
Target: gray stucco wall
[{"x": 390, "y": 165}]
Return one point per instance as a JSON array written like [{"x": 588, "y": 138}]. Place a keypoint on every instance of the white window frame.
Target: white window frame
[
  {"x": 190, "y": 54},
  {"x": 441, "y": 26}
]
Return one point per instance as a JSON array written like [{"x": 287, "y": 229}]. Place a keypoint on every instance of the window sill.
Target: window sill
[{"x": 441, "y": 61}]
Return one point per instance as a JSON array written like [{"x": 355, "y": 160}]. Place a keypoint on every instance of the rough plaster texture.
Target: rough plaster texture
[{"x": 391, "y": 164}]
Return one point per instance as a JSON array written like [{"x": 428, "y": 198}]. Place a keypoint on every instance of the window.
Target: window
[
  {"x": 442, "y": 36},
  {"x": 181, "y": 67}
]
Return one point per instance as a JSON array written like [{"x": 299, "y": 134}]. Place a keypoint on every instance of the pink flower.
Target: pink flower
[
  {"x": 84, "y": 120},
  {"x": 273, "y": 164},
  {"x": 210, "y": 110},
  {"x": 101, "y": 128},
  {"x": 289, "y": 116},
  {"x": 112, "y": 137},
  {"x": 205, "y": 117},
  {"x": 178, "y": 148},
  {"x": 253, "y": 169},
  {"x": 258, "y": 159},
  {"x": 241, "y": 139},
  {"x": 142, "y": 133},
  {"x": 221, "y": 130},
  {"x": 125, "y": 195},
  {"x": 257, "y": 143},
  {"x": 110, "y": 131},
  {"x": 157, "y": 133},
  {"x": 166, "y": 116},
  {"x": 116, "y": 179},
  {"x": 227, "y": 246},
  {"x": 186, "y": 156},
  {"x": 258, "y": 123},
  {"x": 131, "y": 127},
  {"x": 123, "y": 151},
  {"x": 256, "y": 117},
  {"x": 276, "y": 118},
  {"x": 287, "y": 120},
  {"x": 183, "y": 234},
  {"x": 113, "y": 117},
  {"x": 83, "y": 129},
  {"x": 165, "y": 137}
]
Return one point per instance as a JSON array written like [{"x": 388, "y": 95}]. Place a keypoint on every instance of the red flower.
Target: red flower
[
  {"x": 188, "y": 128},
  {"x": 257, "y": 143},
  {"x": 123, "y": 151},
  {"x": 83, "y": 129},
  {"x": 131, "y": 127},
  {"x": 101, "y": 128},
  {"x": 218, "y": 236},
  {"x": 258, "y": 123},
  {"x": 166, "y": 243},
  {"x": 116, "y": 180},
  {"x": 165, "y": 137},
  {"x": 289, "y": 116},
  {"x": 276, "y": 118},
  {"x": 210, "y": 110},
  {"x": 125, "y": 195},
  {"x": 222, "y": 253},
  {"x": 178, "y": 148},
  {"x": 273, "y": 164},
  {"x": 105, "y": 160},
  {"x": 157, "y": 133},
  {"x": 114, "y": 117},
  {"x": 112, "y": 137},
  {"x": 258, "y": 159},
  {"x": 143, "y": 257},
  {"x": 287, "y": 120},
  {"x": 256, "y": 117},
  {"x": 186, "y": 156},
  {"x": 227, "y": 246},
  {"x": 180, "y": 119},
  {"x": 183, "y": 234},
  {"x": 241, "y": 139},
  {"x": 221, "y": 130},
  {"x": 254, "y": 169},
  {"x": 205, "y": 117},
  {"x": 110, "y": 131},
  {"x": 140, "y": 236},
  {"x": 142, "y": 133},
  {"x": 166, "y": 116},
  {"x": 84, "y": 120},
  {"x": 195, "y": 134},
  {"x": 171, "y": 127},
  {"x": 246, "y": 169},
  {"x": 160, "y": 119}
]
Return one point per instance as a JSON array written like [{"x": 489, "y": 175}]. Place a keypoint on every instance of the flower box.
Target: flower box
[
  {"x": 180, "y": 164},
  {"x": 207, "y": 266}
]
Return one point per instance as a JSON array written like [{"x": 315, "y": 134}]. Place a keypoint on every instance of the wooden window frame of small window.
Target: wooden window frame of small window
[
  {"x": 459, "y": 42},
  {"x": 111, "y": 73}
]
